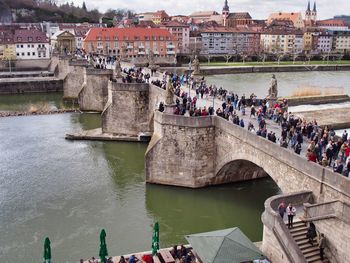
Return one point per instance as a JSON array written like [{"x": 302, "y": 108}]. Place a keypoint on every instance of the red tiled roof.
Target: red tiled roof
[
  {"x": 174, "y": 24},
  {"x": 129, "y": 34},
  {"x": 30, "y": 36},
  {"x": 6, "y": 36},
  {"x": 229, "y": 30},
  {"x": 331, "y": 22}
]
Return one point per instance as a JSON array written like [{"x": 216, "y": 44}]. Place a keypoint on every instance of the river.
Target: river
[
  {"x": 288, "y": 82},
  {"x": 70, "y": 190}
]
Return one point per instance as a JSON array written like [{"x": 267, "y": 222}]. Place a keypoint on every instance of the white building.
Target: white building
[
  {"x": 31, "y": 44},
  {"x": 324, "y": 43},
  {"x": 341, "y": 41}
]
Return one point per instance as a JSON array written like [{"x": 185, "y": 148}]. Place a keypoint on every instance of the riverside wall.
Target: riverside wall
[
  {"x": 30, "y": 85},
  {"x": 270, "y": 69}
]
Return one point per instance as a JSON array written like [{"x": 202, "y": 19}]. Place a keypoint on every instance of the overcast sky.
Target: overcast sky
[{"x": 258, "y": 9}]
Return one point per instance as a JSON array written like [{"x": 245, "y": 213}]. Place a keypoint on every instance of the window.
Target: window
[
  {"x": 17, "y": 54},
  {"x": 30, "y": 39},
  {"x": 28, "y": 45},
  {"x": 21, "y": 46},
  {"x": 23, "y": 54},
  {"x": 17, "y": 46},
  {"x": 28, "y": 53},
  {"x": 32, "y": 45},
  {"x": 33, "y": 53}
]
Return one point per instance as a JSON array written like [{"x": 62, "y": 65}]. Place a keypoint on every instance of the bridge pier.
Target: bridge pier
[
  {"x": 181, "y": 151},
  {"x": 74, "y": 79},
  {"x": 94, "y": 92}
]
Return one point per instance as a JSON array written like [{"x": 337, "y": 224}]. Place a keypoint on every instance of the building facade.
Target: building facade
[
  {"x": 31, "y": 44},
  {"x": 130, "y": 42},
  {"x": 225, "y": 40},
  {"x": 281, "y": 41},
  {"x": 341, "y": 41},
  {"x": 181, "y": 32},
  {"x": 7, "y": 46},
  {"x": 324, "y": 43}
]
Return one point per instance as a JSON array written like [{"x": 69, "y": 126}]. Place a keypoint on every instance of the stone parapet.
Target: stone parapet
[
  {"x": 80, "y": 62},
  {"x": 92, "y": 71},
  {"x": 278, "y": 244},
  {"x": 333, "y": 220}
]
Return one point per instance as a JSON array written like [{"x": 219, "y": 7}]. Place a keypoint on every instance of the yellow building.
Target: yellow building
[
  {"x": 308, "y": 41},
  {"x": 7, "y": 46}
]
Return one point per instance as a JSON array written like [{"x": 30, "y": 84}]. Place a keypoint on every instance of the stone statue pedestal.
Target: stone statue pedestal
[
  {"x": 272, "y": 101},
  {"x": 169, "y": 109}
]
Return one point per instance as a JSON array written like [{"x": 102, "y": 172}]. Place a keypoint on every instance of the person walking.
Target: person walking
[
  {"x": 291, "y": 213},
  {"x": 322, "y": 245},
  {"x": 282, "y": 209},
  {"x": 311, "y": 232}
]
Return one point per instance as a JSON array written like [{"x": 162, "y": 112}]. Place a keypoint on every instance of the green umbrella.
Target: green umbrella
[
  {"x": 47, "y": 250},
  {"x": 103, "y": 247},
  {"x": 155, "y": 239}
]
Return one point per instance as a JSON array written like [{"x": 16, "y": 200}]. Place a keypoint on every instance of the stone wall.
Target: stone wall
[
  {"x": 73, "y": 82},
  {"x": 94, "y": 94},
  {"x": 128, "y": 113},
  {"x": 181, "y": 151},
  {"x": 327, "y": 215},
  {"x": 27, "y": 65},
  {"x": 130, "y": 108},
  {"x": 30, "y": 85}
]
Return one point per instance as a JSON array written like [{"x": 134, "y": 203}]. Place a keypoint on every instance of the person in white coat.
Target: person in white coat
[{"x": 291, "y": 211}]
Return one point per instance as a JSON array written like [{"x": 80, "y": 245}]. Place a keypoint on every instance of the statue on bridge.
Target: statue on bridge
[
  {"x": 169, "y": 97},
  {"x": 273, "y": 90},
  {"x": 117, "y": 68},
  {"x": 151, "y": 63},
  {"x": 195, "y": 64}
]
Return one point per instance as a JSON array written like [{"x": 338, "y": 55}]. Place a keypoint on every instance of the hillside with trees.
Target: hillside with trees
[{"x": 50, "y": 10}]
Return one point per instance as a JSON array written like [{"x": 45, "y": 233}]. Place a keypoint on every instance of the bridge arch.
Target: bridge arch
[{"x": 238, "y": 170}]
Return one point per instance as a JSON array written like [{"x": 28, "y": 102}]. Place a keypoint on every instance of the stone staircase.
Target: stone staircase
[{"x": 310, "y": 252}]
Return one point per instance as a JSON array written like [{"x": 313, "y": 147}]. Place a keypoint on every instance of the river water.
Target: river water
[
  {"x": 70, "y": 190},
  {"x": 288, "y": 82}
]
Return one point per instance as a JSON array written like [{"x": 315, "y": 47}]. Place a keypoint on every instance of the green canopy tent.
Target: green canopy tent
[
  {"x": 155, "y": 239},
  {"x": 103, "y": 247},
  {"x": 47, "y": 250},
  {"x": 228, "y": 245}
]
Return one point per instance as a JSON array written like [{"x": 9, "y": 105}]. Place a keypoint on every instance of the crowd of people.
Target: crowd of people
[{"x": 322, "y": 145}]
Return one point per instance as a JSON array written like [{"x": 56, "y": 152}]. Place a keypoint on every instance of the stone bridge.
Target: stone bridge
[{"x": 203, "y": 151}]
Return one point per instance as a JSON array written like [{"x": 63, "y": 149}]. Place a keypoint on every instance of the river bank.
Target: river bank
[{"x": 4, "y": 114}]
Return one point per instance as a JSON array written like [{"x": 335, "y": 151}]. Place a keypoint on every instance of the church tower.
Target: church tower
[
  {"x": 308, "y": 12},
  {"x": 314, "y": 13},
  {"x": 225, "y": 12}
]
